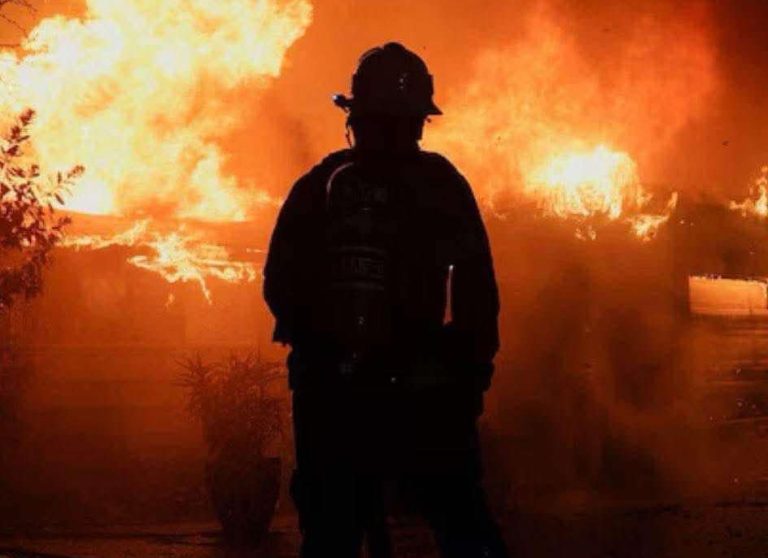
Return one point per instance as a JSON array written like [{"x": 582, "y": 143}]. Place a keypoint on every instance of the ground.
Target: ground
[{"x": 726, "y": 529}]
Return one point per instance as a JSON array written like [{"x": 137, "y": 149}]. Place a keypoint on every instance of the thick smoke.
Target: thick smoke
[{"x": 595, "y": 387}]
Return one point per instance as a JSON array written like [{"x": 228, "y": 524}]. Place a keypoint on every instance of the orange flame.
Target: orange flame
[
  {"x": 600, "y": 181},
  {"x": 757, "y": 204},
  {"x": 596, "y": 183},
  {"x": 540, "y": 112},
  {"x": 177, "y": 256},
  {"x": 139, "y": 92},
  {"x": 131, "y": 237},
  {"x": 646, "y": 225}
]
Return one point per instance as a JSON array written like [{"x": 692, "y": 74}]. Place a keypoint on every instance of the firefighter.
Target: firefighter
[{"x": 369, "y": 248}]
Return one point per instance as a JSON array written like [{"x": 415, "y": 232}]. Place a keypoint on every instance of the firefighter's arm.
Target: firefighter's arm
[
  {"x": 474, "y": 293},
  {"x": 285, "y": 279}
]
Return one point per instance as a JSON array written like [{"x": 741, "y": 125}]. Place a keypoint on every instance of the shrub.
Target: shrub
[
  {"x": 29, "y": 227},
  {"x": 240, "y": 419},
  {"x": 230, "y": 400}
]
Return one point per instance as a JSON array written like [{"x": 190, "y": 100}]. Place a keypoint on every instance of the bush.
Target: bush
[
  {"x": 240, "y": 418},
  {"x": 230, "y": 400},
  {"x": 29, "y": 228}
]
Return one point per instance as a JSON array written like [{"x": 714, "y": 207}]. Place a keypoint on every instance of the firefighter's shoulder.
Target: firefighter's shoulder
[
  {"x": 330, "y": 162},
  {"x": 446, "y": 173},
  {"x": 313, "y": 181}
]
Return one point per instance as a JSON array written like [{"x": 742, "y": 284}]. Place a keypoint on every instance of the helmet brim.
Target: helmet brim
[{"x": 433, "y": 110}]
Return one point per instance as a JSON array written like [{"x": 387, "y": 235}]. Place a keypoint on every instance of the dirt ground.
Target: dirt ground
[{"x": 736, "y": 529}]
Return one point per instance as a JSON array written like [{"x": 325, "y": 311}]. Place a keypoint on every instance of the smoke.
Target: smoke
[
  {"x": 189, "y": 109},
  {"x": 592, "y": 391},
  {"x": 565, "y": 86},
  {"x": 141, "y": 93}
]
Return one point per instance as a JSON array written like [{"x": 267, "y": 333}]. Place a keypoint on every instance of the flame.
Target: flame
[
  {"x": 539, "y": 114},
  {"x": 130, "y": 237},
  {"x": 600, "y": 181},
  {"x": 140, "y": 93},
  {"x": 757, "y": 204},
  {"x": 178, "y": 256},
  {"x": 646, "y": 225}
]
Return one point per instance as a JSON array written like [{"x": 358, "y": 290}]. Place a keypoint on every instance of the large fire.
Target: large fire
[
  {"x": 140, "y": 92},
  {"x": 541, "y": 115}
]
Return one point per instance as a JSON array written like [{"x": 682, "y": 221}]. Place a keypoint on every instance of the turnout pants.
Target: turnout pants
[{"x": 353, "y": 445}]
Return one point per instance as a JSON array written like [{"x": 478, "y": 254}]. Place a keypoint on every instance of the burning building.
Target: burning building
[{"x": 632, "y": 271}]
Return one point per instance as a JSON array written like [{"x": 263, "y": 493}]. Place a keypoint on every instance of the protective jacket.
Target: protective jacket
[{"x": 368, "y": 249}]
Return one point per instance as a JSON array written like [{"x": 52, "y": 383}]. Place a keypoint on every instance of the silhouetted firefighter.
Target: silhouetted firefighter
[{"x": 385, "y": 393}]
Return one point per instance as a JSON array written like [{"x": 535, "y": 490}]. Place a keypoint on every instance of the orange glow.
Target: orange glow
[
  {"x": 131, "y": 237},
  {"x": 138, "y": 91},
  {"x": 545, "y": 117},
  {"x": 179, "y": 256},
  {"x": 600, "y": 181},
  {"x": 646, "y": 225},
  {"x": 757, "y": 203},
  {"x": 596, "y": 183}
]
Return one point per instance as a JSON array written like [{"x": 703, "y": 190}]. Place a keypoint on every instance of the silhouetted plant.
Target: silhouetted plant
[
  {"x": 240, "y": 418},
  {"x": 230, "y": 400},
  {"x": 29, "y": 228}
]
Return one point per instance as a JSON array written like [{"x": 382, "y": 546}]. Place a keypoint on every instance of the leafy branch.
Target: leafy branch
[
  {"x": 29, "y": 227},
  {"x": 231, "y": 400}
]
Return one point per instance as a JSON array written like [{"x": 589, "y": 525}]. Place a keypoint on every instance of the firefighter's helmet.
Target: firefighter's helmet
[{"x": 390, "y": 79}]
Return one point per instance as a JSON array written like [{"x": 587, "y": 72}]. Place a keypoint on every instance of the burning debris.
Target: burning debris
[
  {"x": 129, "y": 237},
  {"x": 178, "y": 256}
]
